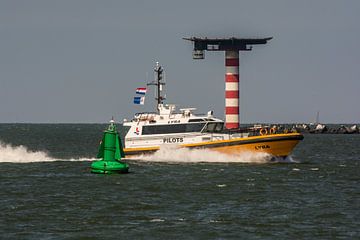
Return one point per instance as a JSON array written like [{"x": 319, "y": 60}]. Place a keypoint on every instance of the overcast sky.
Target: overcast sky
[{"x": 79, "y": 61}]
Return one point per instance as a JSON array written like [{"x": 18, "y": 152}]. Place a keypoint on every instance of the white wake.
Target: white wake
[
  {"x": 173, "y": 154},
  {"x": 20, "y": 154},
  {"x": 167, "y": 154}
]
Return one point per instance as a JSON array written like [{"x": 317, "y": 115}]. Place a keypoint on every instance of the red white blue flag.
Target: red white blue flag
[
  {"x": 141, "y": 91},
  {"x": 139, "y": 100}
]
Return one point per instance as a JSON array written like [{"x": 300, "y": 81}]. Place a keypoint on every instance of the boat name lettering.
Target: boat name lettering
[
  {"x": 174, "y": 121},
  {"x": 259, "y": 147},
  {"x": 173, "y": 140}
]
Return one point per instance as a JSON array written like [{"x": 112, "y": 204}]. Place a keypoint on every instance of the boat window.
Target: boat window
[
  {"x": 219, "y": 127},
  {"x": 172, "y": 128},
  {"x": 214, "y": 127},
  {"x": 197, "y": 127},
  {"x": 196, "y": 120},
  {"x": 210, "y": 127}
]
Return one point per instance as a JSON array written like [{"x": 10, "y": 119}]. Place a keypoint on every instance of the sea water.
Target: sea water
[{"x": 48, "y": 192}]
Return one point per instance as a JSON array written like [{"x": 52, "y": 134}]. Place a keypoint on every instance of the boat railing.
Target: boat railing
[
  {"x": 251, "y": 131},
  {"x": 258, "y": 130},
  {"x": 144, "y": 116}
]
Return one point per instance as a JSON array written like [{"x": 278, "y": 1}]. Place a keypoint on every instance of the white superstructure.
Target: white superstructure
[
  {"x": 171, "y": 127},
  {"x": 167, "y": 126}
]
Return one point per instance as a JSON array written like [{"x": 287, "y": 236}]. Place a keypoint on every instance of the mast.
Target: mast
[
  {"x": 158, "y": 83},
  {"x": 317, "y": 117}
]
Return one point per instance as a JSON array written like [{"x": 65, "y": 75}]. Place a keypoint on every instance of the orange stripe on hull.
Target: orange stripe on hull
[
  {"x": 280, "y": 148},
  {"x": 277, "y": 145}
]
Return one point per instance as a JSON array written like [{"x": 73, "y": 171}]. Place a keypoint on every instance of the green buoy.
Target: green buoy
[{"x": 110, "y": 151}]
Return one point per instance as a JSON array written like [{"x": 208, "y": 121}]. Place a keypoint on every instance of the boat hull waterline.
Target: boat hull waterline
[{"x": 277, "y": 145}]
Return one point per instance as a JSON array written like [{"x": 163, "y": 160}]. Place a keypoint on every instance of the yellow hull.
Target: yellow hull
[{"x": 279, "y": 145}]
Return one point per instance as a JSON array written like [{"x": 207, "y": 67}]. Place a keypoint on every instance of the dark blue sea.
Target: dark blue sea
[{"x": 48, "y": 192}]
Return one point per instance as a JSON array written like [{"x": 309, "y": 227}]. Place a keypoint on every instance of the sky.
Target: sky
[{"x": 80, "y": 61}]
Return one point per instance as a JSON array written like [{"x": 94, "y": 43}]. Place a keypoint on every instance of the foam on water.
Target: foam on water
[
  {"x": 288, "y": 159},
  {"x": 168, "y": 154},
  {"x": 20, "y": 154},
  {"x": 183, "y": 155}
]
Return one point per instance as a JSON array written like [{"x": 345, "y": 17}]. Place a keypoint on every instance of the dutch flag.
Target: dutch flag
[
  {"x": 141, "y": 91},
  {"x": 139, "y": 100}
]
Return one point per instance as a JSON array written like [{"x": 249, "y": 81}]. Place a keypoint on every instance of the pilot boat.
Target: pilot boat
[{"x": 147, "y": 132}]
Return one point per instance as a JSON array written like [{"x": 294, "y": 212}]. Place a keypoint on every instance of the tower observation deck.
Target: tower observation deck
[{"x": 231, "y": 46}]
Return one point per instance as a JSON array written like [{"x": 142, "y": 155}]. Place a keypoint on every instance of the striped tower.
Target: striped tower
[{"x": 232, "y": 89}]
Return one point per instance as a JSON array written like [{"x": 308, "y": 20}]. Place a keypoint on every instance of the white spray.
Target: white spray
[
  {"x": 173, "y": 154},
  {"x": 167, "y": 154},
  {"x": 20, "y": 154}
]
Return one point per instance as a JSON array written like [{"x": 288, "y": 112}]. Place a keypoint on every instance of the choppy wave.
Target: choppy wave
[
  {"x": 288, "y": 159},
  {"x": 173, "y": 154},
  {"x": 20, "y": 154}
]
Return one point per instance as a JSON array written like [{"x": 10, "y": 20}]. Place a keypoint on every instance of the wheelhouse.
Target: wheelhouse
[
  {"x": 172, "y": 128},
  {"x": 192, "y": 126}
]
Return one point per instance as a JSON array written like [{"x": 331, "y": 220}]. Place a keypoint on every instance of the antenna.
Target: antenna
[
  {"x": 317, "y": 117},
  {"x": 147, "y": 76},
  {"x": 158, "y": 82}
]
